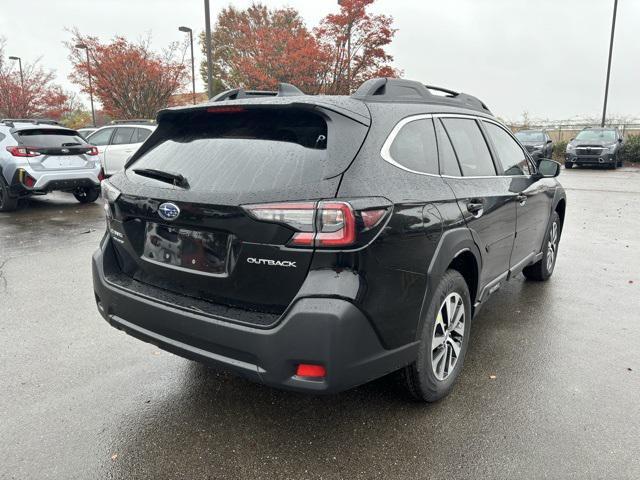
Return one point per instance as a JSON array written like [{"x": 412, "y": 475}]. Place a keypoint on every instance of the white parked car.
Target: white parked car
[{"x": 116, "y": 143}]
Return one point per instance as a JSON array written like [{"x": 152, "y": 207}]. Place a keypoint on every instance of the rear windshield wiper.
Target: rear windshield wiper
[{"x": 172, "y": 178}]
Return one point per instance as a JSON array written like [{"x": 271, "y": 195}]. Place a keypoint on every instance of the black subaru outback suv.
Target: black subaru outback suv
[{"x": 318, "y": 242}]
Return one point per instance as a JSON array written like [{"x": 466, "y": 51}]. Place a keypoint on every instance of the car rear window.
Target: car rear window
[
  {"x": 261, "y": 149},
  {"x": 49, "y": 138}
]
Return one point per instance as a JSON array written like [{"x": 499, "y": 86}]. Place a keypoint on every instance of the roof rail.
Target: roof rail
[
  {"x": 284, "y": 90},
  {"x": 400, "y": 90},
  {"x": 35, "y": 121},
  {"x": 136, "y": 121}
]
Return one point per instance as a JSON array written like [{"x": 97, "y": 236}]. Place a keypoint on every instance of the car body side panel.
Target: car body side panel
[
  {"x": 531, "y": 215},
  {"x": 393, "y": 270},
  {"x": 494, "y": 229}
]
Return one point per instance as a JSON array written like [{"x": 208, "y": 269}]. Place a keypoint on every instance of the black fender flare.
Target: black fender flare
[{"x": 452, "y": 243}]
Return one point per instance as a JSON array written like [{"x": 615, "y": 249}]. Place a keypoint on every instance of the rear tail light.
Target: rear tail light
[
  {"x": 336, "y": 225},
  {"x": 328, "y": 224},
  {"x": 93, "y": 151},
  {"x": 101, "y": 175},
  {"x": 17, "y": 151}
]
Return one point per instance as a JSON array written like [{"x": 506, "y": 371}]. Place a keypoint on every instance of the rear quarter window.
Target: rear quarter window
[{"x": 414, "y": 147}]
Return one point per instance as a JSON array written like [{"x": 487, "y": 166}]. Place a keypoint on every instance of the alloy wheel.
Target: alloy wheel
[{"x": 448, "y": 334}]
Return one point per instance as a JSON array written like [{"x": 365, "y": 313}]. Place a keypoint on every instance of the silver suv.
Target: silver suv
[
  {"x": 39, "y": 156},
  {"x": 118, "y": 141}
]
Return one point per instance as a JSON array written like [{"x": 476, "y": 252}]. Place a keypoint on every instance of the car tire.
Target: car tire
[
  {"x": 543, "y": 268},
  {"x": 87, "y": 194},
  {"x": 7, "y": 202},
  {"x": 568, "y": 165},
  {"x": 433, "y": 374}
]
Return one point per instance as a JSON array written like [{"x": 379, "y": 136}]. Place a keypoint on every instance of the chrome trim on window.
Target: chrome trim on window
[{"x": 386, "y": 155}]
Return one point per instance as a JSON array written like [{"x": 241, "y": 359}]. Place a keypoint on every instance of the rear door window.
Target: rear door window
[
  {"x": 511, "y": 156},
  {"x": 123, "y": 136},
  {"x": 101, "y": 137},
  {"x": 251, "y": 150},
  {"x": 470, "y": 147},
  {"x": 448, "y": 161},
  {"x": 414, "y": 147}
]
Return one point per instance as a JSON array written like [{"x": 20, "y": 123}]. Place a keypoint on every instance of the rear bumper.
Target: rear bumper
[
  {"x": 328, "y": 331},
  {"x": 46, "y": 181}
]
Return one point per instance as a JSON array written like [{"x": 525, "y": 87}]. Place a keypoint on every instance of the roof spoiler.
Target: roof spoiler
[
  {"x": 36, "y": 121},
  {"x": 284, "y": 90},
  {"x": 397, "y": 90}
]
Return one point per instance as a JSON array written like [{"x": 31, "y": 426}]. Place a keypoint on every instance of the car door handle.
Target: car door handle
[
  {"x": 475, "y": 207},
  {"x": 522, "y": 199}
]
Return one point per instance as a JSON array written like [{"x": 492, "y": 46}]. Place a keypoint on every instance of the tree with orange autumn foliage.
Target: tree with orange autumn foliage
[
  {"x": 40, "y": 98},
  {"x": 130, "y": 80},
  {"x": 366, "y": 58},
  {"x": 258, "y": 47}
]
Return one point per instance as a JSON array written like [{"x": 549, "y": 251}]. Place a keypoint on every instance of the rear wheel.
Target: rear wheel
[
  {"x": 7, "y": 202},
  {"x": 86, "y": 194},
  {"x": 543, "y": 268},
  {"x": 444, "y": 340}
]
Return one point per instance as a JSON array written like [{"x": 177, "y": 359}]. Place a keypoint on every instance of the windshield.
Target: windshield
[
  {"x": 597, "y": 135},
  {"x": 530, "y": 136}
]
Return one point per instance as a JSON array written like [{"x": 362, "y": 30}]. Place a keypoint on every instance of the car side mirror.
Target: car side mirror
[
  {"x": 619, "y": 140},
  {"x": 548, "y": 168},
  {"x": 549, "y": 141}
]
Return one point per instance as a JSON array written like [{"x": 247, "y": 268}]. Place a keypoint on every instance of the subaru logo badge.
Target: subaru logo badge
[
  {"x": 65, "y": 150},
  {"x": 168, "y": 211}
]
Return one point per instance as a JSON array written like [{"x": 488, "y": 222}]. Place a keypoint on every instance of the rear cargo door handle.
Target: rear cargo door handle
[
  {"x": 522, "y": 199},
  {"x": 475, "y": 207}
]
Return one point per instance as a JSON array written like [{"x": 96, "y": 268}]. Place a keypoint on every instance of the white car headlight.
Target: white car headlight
[
  {"x": 570, "y": 147},
  {"x": 611, "y": 148}
]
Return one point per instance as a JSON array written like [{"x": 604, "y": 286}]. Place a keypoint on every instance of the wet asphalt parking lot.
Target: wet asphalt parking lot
[{"x": 550, "y": 387}]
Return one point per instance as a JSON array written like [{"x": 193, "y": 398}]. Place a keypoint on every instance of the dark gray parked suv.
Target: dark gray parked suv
[
  {"x": 595, "y": 146},
  {"x": 537, "y": 142}
]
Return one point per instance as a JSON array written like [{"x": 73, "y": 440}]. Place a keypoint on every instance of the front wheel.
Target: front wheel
[
  {"x": 7, "y": 202},
  {"x": 568, "y": 165},
  {"x": 86, "y": 194},
  {"x": 543, "y": 268},
  {"x": 443, "y": 341}
]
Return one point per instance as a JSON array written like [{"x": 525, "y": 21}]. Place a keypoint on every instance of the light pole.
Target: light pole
[
  {"x": 606, "y": 88},
  {"x": 193, "y": 68},
  {"x": 83, "y": 46},
  {"x": 207, "y": 24},
  {"x": 21, "y": 81},
  {"x": 348, "y": 53}
]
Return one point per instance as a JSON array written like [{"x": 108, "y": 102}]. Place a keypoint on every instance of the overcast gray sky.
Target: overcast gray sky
[{"x": 547, "y": 57}]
